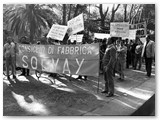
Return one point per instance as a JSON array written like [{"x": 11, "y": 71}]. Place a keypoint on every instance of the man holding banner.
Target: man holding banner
[{"x": 109, "y": 60}]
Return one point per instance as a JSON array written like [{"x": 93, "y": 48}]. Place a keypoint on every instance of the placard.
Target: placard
[
  {"x": 101, "y": 35},
  {"x": 77, "y": 38},
  {"x": 119, "y": 29},
  {"x": 141, "y": 29},
  {"x": 57, "y": 32},
  {"x": 75, "y": 25}
]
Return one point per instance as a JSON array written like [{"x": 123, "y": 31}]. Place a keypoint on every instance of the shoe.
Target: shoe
[
  {"x": 104, "y": 91},
  {"x": 110, "y": 95},
  {"x": 14, "y": 77},
  {"x": 85, "y": 78},
  {"x": 11, "y": 82},
  {"x": 149, "y": 76},
  {"x": 8, "y": 78},
  {"x": 122, "y": 79},
  {"x": 79, "y": 78},
  {"x": 27, "y": 75},
  {"x": 22, "y": 74}
]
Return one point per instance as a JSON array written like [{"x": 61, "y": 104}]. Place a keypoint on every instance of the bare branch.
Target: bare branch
[
  {"x": 136, "y": 13},
  {"x": 131, "y": 13},
  {"x": 101, "y": 10},
  {"x": 106, "y": 12},
  {"x": 97, "y": 7},
  {"x": 117, "y": 8}
]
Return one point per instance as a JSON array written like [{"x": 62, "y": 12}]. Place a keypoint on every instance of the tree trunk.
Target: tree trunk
[
  {"x": 135, "y": 14},
  {"x": 102, "y": 22},
  {"x": 130, "y": 14},
  {"x": 64, "y": 14},
  {"x": 31, "y": 34},
  {"x": 76, "y": 11},
  {"x": 103, "y": 15},
  {"x": 113, "y": 12},
  {"x": 69, "y": 14},
  {"x": 125, "y": 13}
]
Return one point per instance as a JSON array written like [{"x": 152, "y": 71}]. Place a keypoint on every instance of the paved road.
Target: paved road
[{"x": 64, "y": 95}]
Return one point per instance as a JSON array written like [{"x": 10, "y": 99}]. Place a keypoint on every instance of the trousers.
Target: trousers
[
  {"x": 10, "y": 61},
  {"x": 148, "y": 62},
  {"x": 109, "y": 82}
]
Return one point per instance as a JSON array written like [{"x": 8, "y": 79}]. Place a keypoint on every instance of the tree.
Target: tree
[
  {"x": 69, "y": 13},
  {"x": 103, "y": 15},
  {"x": 125, "y": 13},
  {"x": 114, "y": 11},
  {"x": 148, "y": 13},
  {"x": 64, "y": 14},
  {"x": 134, "y": 13},
  {"x": 28, "y": 18}
]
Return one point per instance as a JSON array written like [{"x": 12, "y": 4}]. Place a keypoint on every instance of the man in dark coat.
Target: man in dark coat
[
  {"x": 148, "y": 52},
  {"x": 109, "y": 60}
]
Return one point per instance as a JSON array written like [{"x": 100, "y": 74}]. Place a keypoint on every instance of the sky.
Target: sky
[{"x": 120, "y": 9}]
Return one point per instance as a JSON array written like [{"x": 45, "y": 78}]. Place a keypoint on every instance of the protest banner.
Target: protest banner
[
  {"x": 101, "y": 35},
  {"x": 132, "y": 35},
  {"x": 141, "y": 29},
  {"x": 66, "y": 59},
  {"x": 57, "y": 32},
  {"x": 119, "y": 29},
  {"x": 78, "y": 38},
  {"x": 75, "y": 25}
]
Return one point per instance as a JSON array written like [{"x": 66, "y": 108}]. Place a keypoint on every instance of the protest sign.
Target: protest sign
[
  {"x": 78, "y": 38},
  {"x": 57, "y": 32},
  {"x": 66, "y": 59},
  {"x": 101, "y": 35},
  {"x": 132, "y": 35},
  {"x": 75, "y": 25},
  {"x": 141, "y": 29},
  {"x": 119, "y": 29},
  {"x": 143, "y": 40}
]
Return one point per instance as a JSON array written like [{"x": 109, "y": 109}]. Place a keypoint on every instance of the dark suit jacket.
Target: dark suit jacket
[{"x": 109, "y": 58}]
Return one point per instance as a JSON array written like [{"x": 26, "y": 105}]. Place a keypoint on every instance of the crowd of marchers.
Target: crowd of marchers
[{"x": 116, "y": 55}]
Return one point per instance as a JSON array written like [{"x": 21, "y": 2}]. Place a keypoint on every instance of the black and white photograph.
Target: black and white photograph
[{"x": 79, "y": 59}]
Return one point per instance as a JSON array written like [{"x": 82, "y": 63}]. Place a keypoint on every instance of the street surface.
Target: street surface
[{"x": 67, "y": 96}]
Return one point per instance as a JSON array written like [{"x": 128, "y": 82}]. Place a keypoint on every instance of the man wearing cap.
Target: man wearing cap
[{"x": 148, "y": 53}]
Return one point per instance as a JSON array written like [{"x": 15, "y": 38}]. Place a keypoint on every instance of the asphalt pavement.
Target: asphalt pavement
[{"x": 66, "y": 96}]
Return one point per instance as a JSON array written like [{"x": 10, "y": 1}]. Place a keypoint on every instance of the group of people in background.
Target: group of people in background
[{"x": 120, "y": 54}]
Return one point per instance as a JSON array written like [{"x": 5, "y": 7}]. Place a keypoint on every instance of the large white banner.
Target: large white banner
[
  {"x": 78, "y": 38},
  {"x": 140, "y": 27},
  {"x": 57, "y": 32},
  {"x": 101, "y": 35},
  {"x": 76, "y": 24},
  {"x": 119, "y": 29}
]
